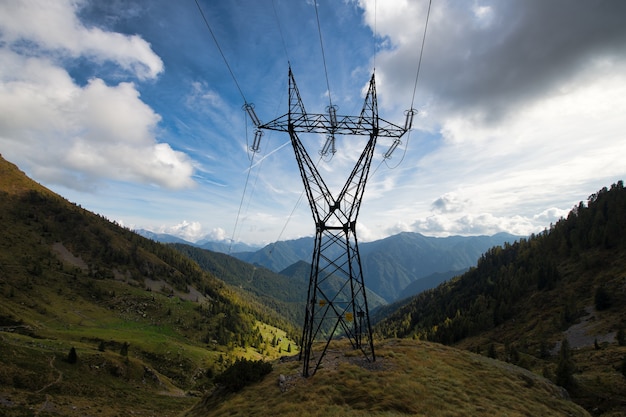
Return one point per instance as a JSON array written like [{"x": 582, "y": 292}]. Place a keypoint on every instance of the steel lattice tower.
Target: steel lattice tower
[{"x": 336, "y": 300}]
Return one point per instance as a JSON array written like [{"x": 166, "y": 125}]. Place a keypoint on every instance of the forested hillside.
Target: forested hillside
[
  {"x": 567, "y": 283},
  {"x": 283, "y": 293},
  {"x": 46, "y": 239},
  {"x": 94, "y": 315}
]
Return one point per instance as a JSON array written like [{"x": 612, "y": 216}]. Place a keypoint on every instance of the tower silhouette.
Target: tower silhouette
[{"x": 336, "y": 299}]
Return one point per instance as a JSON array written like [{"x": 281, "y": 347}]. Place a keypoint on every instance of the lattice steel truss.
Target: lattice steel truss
[{"x": 336, "y": 300}]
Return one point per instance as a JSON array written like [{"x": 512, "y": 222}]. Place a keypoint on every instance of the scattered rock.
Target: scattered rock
[{"x": 282, "y": 383}]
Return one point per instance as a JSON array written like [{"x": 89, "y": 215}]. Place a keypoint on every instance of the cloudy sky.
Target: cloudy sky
[{"x": 128, "y": 108}]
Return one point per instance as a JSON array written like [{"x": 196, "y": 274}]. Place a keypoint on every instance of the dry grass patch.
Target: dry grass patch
[{"x": 408, "y": 378}]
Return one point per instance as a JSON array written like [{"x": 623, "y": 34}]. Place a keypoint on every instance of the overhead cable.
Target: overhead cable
[
  {"x": 419, "y": 63},
  {"x": 319, "y": 30},
  {"x": 232, "y": 74},
  {"x": 280, "y": 30}
]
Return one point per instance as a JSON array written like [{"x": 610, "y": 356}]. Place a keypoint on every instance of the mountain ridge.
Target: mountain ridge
[{"x": 391, "y": 264}]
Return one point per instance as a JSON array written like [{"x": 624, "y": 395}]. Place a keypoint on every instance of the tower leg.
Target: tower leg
[{"x": 336, "y": 300}]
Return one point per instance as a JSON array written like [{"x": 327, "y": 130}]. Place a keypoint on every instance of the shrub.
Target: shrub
[
  {"x": 242, "y": 373},
  {"x": 621, "y": 337}
]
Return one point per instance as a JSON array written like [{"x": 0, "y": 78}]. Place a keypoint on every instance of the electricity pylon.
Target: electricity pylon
[{"x": 336, "y": 300}]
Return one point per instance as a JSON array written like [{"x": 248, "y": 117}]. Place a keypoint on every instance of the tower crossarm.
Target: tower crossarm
[{"x": 345, "y": 125}]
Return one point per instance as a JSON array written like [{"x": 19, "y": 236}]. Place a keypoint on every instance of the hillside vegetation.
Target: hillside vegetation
[
  {"x": 409, "y": 378},
  {"x": 95, "y": 319},
  {"x": 523, "y": 300},
  {"x": 283, "y": 294}
]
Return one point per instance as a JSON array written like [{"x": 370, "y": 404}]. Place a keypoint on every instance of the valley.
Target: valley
[{"x": 97, "y": 320}]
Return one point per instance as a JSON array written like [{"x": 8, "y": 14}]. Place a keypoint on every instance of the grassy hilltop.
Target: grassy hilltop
[{"x": 409, "y": 378}]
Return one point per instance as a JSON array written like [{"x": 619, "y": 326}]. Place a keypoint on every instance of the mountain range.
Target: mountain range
[
  {"x": 98, "y": 320},
  {"x": 221, "y": 246},
  {"x": 394, "y": 267}
]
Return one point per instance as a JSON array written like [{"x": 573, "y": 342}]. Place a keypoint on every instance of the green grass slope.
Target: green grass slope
[
  {"x": 150, "y": 329},
  {"x": 522, "y": 301},
  {"x": 408, "y": 378}
]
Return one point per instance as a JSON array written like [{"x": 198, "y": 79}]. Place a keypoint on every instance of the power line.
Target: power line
[
  {"x": 419, "y": 63},
  {"x": 249, "y": 108},
  {"x": 243, "y": 195},
  {"x": 319, "y": 30},
  {"x": 232, "y": 74},
  {"x": 375, "y": 31},
  {"x": 280, "y": 30},
  {"x": 411, "y": 111}
]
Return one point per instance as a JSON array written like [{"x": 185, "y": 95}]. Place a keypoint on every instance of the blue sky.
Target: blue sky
[{"x": 127, "y": 108}]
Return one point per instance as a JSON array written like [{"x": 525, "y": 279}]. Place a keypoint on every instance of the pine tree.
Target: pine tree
[
  {"x": 124, "y": 349},
  {"x": 72, "y": 357},
  {"x": 565, "y": 367}
]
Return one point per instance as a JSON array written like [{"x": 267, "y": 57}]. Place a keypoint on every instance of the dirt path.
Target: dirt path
[{"x": 59, "y": 378}]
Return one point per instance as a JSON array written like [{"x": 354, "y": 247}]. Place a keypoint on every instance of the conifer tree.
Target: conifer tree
[
  {"x": 72, "y": 357},
  {"x": 565, "y": 367},
  {"x": 124, "y": 349}
]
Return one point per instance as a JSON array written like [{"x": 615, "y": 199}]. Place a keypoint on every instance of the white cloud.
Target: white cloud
[
  {"x": 54, "y": 28},
  {"x": 473, "y": 224},
  {"x": 449, "y": 203},
  {"x": 484, "y": 15},
  {"x": 217, "y": 234},
  {"x": 551, "y": 215},
  {"x": 190, "y": 231},
  {"x": 514, "y": 124},
  {"x": 74, "y": 135}
]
